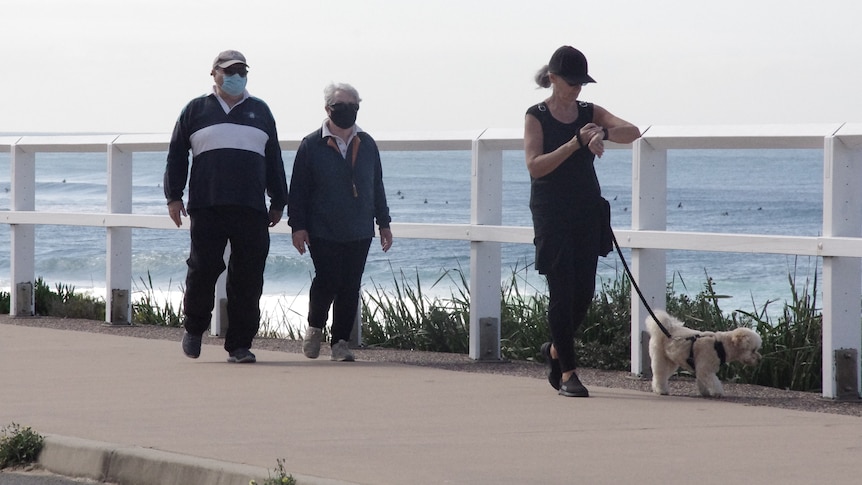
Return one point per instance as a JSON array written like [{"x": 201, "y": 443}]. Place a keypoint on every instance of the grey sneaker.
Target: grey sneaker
[
  {"x": 192, "y": 345},
  {"x": 341, "y": 352},
  {"x": 311, "y": 342},
  {"x": 242, "y": 356}
]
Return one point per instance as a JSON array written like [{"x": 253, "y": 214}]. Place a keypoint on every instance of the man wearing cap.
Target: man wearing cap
[
  {"x": 236, "y": 162},
  {"x": 571, "y": 221}
]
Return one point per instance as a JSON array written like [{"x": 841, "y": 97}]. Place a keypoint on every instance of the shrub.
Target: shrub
[
  {"x": 19, "y": 446},
  {"x": 65, "y": 302}
]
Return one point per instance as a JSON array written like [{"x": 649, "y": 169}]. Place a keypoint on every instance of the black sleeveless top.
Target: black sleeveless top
[{"x": 566, "y": 204}]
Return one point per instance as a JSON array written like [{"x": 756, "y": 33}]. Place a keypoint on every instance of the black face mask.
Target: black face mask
[{"x": 343, "y": 114}]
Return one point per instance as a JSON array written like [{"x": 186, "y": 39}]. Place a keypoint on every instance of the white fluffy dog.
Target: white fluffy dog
[{"x": 699, "y": 352}]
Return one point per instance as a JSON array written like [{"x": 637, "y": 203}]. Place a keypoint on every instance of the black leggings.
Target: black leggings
[{"x": 570, "y": 295}]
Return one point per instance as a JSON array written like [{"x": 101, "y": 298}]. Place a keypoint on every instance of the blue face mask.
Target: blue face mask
[{"x": 234, "y": 85}]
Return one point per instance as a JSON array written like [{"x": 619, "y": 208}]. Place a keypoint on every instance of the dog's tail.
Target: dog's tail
[{"x": 668, "y": 322}]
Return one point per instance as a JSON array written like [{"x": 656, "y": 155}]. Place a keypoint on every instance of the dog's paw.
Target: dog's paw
[
  {"x": 659, "y": 389},
  {"x": 707, "y": 392}
]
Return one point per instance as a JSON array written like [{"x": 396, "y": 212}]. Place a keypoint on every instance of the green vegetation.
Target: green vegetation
[
  {"x": 65, "y": 302},
  {"x": 281, "y": 476},
  {"x": 19, "y": 446},
  {"x": 147, "y": 310},
  {"x": 404, "y": 316}
]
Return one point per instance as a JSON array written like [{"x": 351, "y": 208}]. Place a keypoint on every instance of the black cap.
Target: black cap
[{"x": 571, "y": 65}]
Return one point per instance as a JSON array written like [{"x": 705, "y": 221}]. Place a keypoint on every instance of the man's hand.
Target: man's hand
[
  {"x": 274, "y": 217},
  {"x": 300, "y": 240},
  {"x": 176, "y": 208},
  {"x": 385, "y": 239}
]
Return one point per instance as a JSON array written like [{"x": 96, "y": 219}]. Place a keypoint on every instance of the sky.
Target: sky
[{"x": 448, "y": 65}]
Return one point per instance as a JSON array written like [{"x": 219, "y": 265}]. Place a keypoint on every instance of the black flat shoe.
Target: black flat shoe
[
  {"x": 573, "y": 388},
  {"x": 555, "y": 375}
]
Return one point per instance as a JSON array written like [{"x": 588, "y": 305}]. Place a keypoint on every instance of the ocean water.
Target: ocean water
[{"x": 743, "y": 191}]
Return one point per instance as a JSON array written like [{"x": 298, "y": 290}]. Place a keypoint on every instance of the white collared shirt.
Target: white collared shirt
[
  {"x": 224, "y": 104},
  {"x": 342, "y": 144}
]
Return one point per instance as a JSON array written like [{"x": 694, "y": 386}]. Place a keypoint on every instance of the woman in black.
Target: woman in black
[{"x": 562, "y": 137}]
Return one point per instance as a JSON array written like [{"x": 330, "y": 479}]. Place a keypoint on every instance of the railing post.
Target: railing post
[
  {"x": 118, "y": 246},
  {"x": 842, "y": 276},
  {"x": 649, "y": 211},
  {"x": 486, "y": 197},
  {"x": 219, "y": 321},
  {"x": 23, "y": 236}
]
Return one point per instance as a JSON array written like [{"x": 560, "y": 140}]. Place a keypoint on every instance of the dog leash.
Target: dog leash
[{"x": 635, "y": 286}]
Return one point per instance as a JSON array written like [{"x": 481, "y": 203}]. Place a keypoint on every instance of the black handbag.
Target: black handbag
[{"x": 606, "y": 242}]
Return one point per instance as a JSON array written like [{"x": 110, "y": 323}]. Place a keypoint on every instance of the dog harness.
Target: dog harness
[{"x": 719, "y": 349}]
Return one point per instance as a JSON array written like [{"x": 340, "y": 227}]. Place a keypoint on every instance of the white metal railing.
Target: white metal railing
[{"x": 840, "y": 246}]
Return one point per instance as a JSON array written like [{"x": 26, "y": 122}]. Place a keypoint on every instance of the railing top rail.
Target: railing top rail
[
  {"x": 8, "y": 141},
  {"x": 660, "y": 137},
  {"x": 850, "y": 134},
  {"x": 740, "y": 136},
  {"x": 143, "y": 142},
  {"x": 63, "y": 143}
]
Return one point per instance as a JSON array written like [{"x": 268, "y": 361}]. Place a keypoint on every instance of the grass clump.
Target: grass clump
[
  {"x": 406, "y": 318},
  {"x": 65, "y": 302},
  {"x": 148, "y": 311},
  {"x": 522, "y": 316},
  {"x": 792, "y": 345},
  {"x": 281, "y": 476},
  {"x": 19, "y": 446}
]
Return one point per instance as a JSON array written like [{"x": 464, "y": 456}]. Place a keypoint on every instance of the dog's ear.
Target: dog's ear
[
  {"x": 742, "y": 335},
  {"x": 739, "y": 335}
]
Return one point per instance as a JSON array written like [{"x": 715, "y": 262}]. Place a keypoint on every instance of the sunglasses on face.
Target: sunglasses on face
[
  {"x": 342, "y": 105},
  {"x": 235, "y": 69}
]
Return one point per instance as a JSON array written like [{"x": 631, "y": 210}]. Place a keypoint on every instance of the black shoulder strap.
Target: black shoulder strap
[{"x": 719, "y": 349}]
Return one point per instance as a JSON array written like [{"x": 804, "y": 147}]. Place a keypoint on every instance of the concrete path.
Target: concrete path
[{"x": 137, "y": 411}]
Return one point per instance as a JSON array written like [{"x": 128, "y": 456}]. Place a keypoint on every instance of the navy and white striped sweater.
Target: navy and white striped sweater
[{"x": 236, "y": 158}]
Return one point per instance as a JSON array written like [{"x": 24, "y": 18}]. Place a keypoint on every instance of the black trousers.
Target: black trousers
[
  {"x": 248, "y": 233},
  {"x": 570, "y": 294},
  {"x": 338, "y": 268}
]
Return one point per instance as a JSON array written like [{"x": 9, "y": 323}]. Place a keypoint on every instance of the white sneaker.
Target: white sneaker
[
  {"x": 311, "y": 342},
  {"x": 341, "y": 352}
]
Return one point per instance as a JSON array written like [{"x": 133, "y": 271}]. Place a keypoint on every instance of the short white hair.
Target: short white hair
[{"x": 332, "y": 88}]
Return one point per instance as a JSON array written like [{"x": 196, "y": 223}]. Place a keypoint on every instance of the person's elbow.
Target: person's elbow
[
  {"x": 535, "y": 169},
  {"x": 627, "y": 134}
]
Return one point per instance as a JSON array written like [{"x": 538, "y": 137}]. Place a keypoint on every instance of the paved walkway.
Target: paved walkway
[{"x": 137, "y": 411}]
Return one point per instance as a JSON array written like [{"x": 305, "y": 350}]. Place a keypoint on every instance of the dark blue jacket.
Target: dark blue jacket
[{"x": 333, "y": 197}]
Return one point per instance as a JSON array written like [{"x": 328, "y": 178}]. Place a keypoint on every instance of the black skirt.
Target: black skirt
[{"x": 564, "y": 236}]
